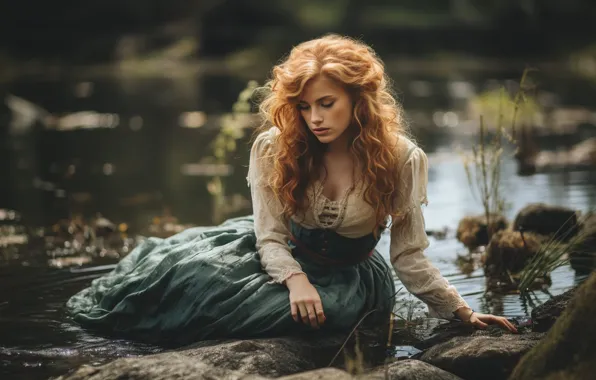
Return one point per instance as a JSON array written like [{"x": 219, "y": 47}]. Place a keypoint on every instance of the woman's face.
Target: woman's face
[{"x": 326, "y": 108}]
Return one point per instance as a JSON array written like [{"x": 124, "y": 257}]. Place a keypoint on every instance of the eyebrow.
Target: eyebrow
[{"x": 318, "y": 100}]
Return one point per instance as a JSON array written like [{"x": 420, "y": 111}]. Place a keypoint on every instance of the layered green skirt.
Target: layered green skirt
[{"x": 207, "y": 282}]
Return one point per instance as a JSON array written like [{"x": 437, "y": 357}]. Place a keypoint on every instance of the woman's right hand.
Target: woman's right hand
[{"x": 305, "y": 301}]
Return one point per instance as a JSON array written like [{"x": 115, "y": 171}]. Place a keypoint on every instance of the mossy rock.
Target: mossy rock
[
  {"x": 544, "y": 316},
  {"x": 582, "y": 256},
  {"x": 510, "y": 251},
  {"x": 568, "y": 350},
  {"x": 556, "y": 222},
  {"x": 472, "y": 231}
]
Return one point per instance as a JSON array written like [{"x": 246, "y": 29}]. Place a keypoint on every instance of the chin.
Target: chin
[{"x": 326, "y": 139}]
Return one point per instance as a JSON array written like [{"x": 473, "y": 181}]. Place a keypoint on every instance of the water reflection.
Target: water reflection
[{"x": 172, "y": 156}]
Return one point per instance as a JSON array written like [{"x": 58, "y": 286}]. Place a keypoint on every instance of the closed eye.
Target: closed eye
[{"x": 327, "y": 105}]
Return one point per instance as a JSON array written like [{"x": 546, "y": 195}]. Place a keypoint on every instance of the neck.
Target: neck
[{"x": 340, "y": 145}]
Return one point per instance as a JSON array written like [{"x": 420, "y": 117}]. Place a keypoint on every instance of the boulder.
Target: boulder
[
  {"x": 557, "y": 222},
  {"x": 568, "y": 350},
  {"x": 509, "y": 252},
  {"x": 157, "y": 367},
  {"x": 545, "y": 315},
  {"x": 272, "y": 357},
  {"x": 410, "y": 369},
  {"x": 482, "y": 356},
  {"x": 399, "y": 370},
  {"x": 320, "y": 374},
  {"x": 472, "y": 231},
  {"x": 507, "y": 255},
  {"x": 582, "y": 255}
]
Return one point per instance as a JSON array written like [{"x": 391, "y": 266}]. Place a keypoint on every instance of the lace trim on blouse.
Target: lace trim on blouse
[
  {"x": 408, "y": 236},
  {"x": 327, "y": 213}
]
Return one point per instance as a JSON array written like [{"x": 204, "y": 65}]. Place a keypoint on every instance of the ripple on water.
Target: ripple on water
[{"x": 39, "y": 341}]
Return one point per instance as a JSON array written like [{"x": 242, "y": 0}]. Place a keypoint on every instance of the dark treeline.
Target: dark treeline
[{"x": 90, "y": 31}]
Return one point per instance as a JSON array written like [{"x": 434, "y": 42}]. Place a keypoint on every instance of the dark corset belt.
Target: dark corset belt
[{"x": 327, "y": 247}]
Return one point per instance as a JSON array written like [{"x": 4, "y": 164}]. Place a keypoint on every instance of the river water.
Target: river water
[{"x": 139, "y": 165}]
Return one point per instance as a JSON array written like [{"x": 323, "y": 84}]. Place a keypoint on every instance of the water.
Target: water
[{"x": 138, "y": 170}]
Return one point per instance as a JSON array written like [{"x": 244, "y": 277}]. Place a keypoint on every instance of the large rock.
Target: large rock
[
  {"x": 583, "y": 252},
  {"x": 271, "y": 357},
  {"x": 400, "y": 370},
  {"x": 411, "y": 370},
  {"x": 481, "y": 356},
  {"x": 472, "y": 231},
  {"x": 320, "y": 374},
  {"x": 157, "y": 367},
  {"x": 545, "y": 315},
  {"x": 560, "y": 223},
  {"x": 179, "y": 367},
  {"x": 568, "y": 350},
  {"x": 510, "y": 251}
]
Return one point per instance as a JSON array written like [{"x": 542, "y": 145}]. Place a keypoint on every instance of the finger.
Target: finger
[
  {"x": 509, "y": 325},
  {"x": 294, "y": 310},
  {"x": 479, "y": 324},
  {"x": 312, "y": 315},
  {"x": 320, "y": 314},
  {"x": 502, "y": 322},
  {"x": 303, "y": 312}
]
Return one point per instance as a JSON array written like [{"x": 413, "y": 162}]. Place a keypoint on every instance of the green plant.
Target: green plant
[
  {"x": 554, "y": 253},
  {"x": 233, "y": 127},
  {"x": 484, "y": 165}
]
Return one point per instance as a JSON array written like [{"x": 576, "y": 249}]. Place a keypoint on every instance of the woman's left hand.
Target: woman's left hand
[{"x": 482, "y": 321}]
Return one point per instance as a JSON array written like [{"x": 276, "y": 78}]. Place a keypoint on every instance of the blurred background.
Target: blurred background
[
  {"x": 129, "y": 118},
  {"x": 113, "y": 107}
]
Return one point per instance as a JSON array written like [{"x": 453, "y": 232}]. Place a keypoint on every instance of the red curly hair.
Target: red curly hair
[{"x": 376, "y": 122}]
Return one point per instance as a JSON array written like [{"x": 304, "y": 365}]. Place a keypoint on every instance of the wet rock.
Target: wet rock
[
  {"x": 320, "y": 374},
  {"x": 545, "y": 315},
  {"x": 157, "y": 367},
  {"x": 296, "y": 358},
  {"x": 559, "y": 223},
  {"x": 267, "y": 357},
  {"x": 410, "y": 370},
  {"x": 472, "y": 231},
  {"x": 582, "y": 255},
  {"x": 482, "y": 356},
  {"x": 568, "y": 350},
  {"x": 531, "y": 159},
  {"x": 282, "y": 356},
  {"x": 399, "y": 370},
  {"x": 510, "y": 251},
  {"x": 172, "y": 366},
  {"x": 507, "y": 255}
]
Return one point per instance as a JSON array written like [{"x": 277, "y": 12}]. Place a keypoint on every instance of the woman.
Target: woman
[{"x": 329, "y": 171}]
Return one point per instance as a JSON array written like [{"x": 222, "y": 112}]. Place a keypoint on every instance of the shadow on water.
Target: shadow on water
[
  {"x": 141, "y": 154},
  {"x": 37, "y": 338}
]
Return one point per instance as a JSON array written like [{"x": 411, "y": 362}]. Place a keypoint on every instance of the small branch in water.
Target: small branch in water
[{"x": 350, "y": 335}]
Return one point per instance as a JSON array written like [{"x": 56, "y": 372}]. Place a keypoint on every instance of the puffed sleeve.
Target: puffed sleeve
[
  {"x": 270, "y": 227},
  {"x": 409, "y": 240}
]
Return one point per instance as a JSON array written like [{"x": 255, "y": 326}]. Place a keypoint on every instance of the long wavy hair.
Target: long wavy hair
[{"x": 377, "y": 123}]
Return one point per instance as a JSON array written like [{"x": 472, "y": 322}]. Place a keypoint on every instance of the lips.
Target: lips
[{"x": 320, "y": 131}]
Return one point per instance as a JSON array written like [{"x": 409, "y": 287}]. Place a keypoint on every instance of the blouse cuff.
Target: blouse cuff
[{"x": 446, "y": 310}]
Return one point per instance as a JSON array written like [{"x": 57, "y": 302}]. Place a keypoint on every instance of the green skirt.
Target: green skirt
[{"x": 207, "y": 283}]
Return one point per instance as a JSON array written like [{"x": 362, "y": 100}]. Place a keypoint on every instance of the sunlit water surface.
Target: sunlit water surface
[{"x": 38, "y": 340}]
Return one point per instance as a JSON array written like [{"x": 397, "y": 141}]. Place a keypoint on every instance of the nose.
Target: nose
[{"x": 315, "y": 117}]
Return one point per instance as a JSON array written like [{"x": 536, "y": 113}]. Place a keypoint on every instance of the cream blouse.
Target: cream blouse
[{"x": 352, "y": 217}]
